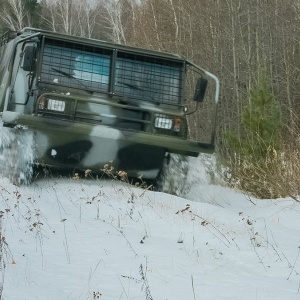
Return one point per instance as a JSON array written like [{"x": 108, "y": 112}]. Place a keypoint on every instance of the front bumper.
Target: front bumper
[{"x": 85, "y": 146}]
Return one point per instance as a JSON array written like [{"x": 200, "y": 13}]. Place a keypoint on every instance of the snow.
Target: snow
[{"x": 104, "y": 239}]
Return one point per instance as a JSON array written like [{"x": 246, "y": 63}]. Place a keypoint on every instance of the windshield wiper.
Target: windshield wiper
[
  {"x": 131, "y": 86},
  {"x": 74, "y": 78},
  {"x": 137, "y": 88}
]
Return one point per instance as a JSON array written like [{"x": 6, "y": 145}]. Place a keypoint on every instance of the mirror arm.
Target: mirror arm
[
  {"x": 217, "y": 95},
  {"x": 214, "y": 77},
  {"x": 192, "y": 112}
]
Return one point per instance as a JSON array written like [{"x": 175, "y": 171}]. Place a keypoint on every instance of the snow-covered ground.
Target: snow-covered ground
[{"x": 90, "y": 239}]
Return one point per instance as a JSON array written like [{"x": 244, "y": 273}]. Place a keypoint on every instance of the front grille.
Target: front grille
[{"x": 92, "y": 112}]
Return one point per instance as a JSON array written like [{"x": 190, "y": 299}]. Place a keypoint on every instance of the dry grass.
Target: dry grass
[{"x": 276, "y": 176}]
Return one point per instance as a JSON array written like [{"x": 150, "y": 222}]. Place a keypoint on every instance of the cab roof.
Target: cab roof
[{"x": 101, "y": 43}]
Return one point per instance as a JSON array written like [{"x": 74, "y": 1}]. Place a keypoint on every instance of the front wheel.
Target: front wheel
[
  {"x": 16, "y": 154},
  {"x": 172, "y": 178}
]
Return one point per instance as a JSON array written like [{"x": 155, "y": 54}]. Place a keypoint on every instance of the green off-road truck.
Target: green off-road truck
[{"x": 83, "y": 103}]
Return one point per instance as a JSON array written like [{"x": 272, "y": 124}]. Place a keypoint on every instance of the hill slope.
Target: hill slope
[{"x": 83, "y": 239}]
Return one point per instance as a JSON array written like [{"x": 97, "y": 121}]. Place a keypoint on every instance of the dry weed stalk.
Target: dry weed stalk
[
  {"x": 121, "y": 175},
  {"x": 276, "y": 176},
  {"x": 143, "y": 273}
]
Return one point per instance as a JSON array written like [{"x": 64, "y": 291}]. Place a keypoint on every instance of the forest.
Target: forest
[{"x": 252, "y": 46}]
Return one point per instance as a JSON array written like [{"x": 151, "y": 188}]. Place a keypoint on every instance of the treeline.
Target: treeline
[{"x": 240, "y": 41}]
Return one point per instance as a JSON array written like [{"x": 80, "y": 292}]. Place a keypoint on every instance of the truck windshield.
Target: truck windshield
[
  {"x": 151, "y": 80},
  {"x": 135, "y": 76},
  {"x": 91, "y": 68}
]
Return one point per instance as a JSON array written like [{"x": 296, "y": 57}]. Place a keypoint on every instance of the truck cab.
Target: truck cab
[{"x": 89, "y": 102}]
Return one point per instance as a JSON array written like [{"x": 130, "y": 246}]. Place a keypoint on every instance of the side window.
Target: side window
[{"x": 29, "y": 58}]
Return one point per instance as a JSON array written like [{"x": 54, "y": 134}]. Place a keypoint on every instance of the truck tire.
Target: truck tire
[
  {"x": 16, "y": 155},
  {"x": 172, "y": 178}
]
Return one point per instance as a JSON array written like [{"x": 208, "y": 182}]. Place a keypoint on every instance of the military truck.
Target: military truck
[{"x": 89, "y": 102}]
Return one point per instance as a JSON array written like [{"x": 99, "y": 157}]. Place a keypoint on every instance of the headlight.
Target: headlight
[
  {"x": 168, "y": 122},
  {"x": 177, "y": 124},
  {"x": 48, "y": 104},
  {"x": 56, "y": 105},
  {"x": 42, "y": 103},
  {"x": 163, "y": 122}
]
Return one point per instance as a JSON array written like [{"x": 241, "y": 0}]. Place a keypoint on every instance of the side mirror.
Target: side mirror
[
  {"x": 200, "y": 90},
  {"x": 29, "y": 58}
]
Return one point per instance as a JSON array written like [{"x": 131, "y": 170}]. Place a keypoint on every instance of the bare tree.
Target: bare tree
[
  {"x": 235, "y": 39},
  {"x": 14, "y": 15},
  {"x": 57, "y": 15},
  {"x": 77, "y": 17},
  {"x": 87, "y": 19},
  {"x": 112, "y": 12}
]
